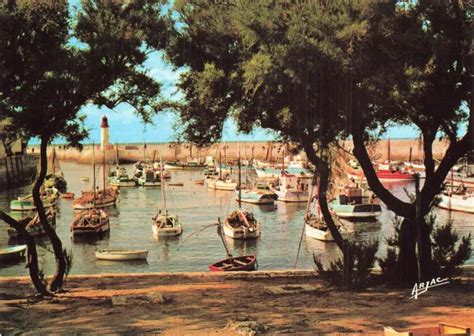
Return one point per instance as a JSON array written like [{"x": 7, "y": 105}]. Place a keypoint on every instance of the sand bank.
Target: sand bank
[{"x": 208, "y": 304}]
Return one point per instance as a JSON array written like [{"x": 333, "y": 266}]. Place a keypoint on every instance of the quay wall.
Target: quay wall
[
  {"x": 17, "y": 170},
  {"x": 399, "y": 150}
]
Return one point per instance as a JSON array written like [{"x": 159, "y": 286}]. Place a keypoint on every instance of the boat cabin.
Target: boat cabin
[{"x": 293, "y": 182}]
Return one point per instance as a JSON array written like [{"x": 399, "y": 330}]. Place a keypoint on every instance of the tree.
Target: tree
[
  {"x": 52, "y": 65},
  {"x": 270, "y": 64},
  {"x": 414, "y": 66}
]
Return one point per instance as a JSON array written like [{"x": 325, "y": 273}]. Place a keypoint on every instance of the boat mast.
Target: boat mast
[
  {"x": 117, "y": 154},
  {"x": 388, "y": 151},
  {"x": 163, "y": 196},
  {"x": 221, "y": 234},
  {"x": 103, "y": 170},
  {"x": 220, "y": 164},
  {"x": 93, "y": 172},
  {"x": 240, "y": 181}
]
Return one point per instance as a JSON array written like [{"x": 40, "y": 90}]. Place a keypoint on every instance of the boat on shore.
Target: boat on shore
[
  {"x": 11, "y": 253},
  {"x": 121, "y": 254}
]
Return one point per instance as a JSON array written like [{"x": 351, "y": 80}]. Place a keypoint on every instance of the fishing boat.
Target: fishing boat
[
  {"x": 241, "y": 225},
  {"x": 315, "y": 227},
  {"x": 221, "y": 184},
  {"x": 200, "y": 182},
  {"x": 463, "y": 202},
  {"x": 234, "y": 264},
  {"x": 12, "y": 252},
  {"x": 211, "y": 171},
  {"x": 95, "y": 198},
  {"x": 84, "y": 178},
  {"x": 33, "y": 226},
  {"x": 121, "y": 255},
  {"x": 68, "y": 195},
  {"x": 148, "y": 179},
  {"x": 120, "y": 178},
  {"x": 291, "y": 188},
  {"x": 190, "y": 165},
  {"x": 54, "y": 175},
  {"x": 160, "y": 172},
  {"x": 27, "y": 204},
  {"x": 165, "y": 224},
  {"x": 276, "y": 173},
  {"x": 354, "y": 206},
  {"x": 95, "y": 221},
  {"x": 386, "y": 172},
  {"x": 256, "y": 196}
]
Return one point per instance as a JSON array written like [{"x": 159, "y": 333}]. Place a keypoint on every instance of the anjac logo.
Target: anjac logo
[{"x": 423, "y": 287}]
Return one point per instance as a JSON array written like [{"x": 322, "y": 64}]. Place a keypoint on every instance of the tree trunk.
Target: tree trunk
[
  {"x": 58, "y": 277},
  {"x": 406, "y": 269},
  {"x": 32, "y": 253}
]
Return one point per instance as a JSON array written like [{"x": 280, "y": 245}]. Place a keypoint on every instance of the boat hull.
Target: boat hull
[
  {"x": 12, "y": 252},
  {"x": 356, "y": 211},
  {"x": 323, "y": 235},
  {"x": 121, "y": 255},
  {"x": 235, "y": 264},
  {"x": 221, "y": 185},
  {"x": 241, "y": 232},
  {"x": 292, "y": 196},
  {"x": 457, "y": 203}
]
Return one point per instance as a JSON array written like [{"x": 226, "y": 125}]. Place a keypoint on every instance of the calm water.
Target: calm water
[{"x": 197, "y": 207}]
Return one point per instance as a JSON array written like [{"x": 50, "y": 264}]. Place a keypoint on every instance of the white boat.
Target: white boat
[
  {"x": 353, "y": 205},
  {"x": 457, "y": 202},
  {"x": 120, "y": 179},
  {"x": 12, "y": 252},
  {"x": 27, "y": 204},
  {"x": 95, "y": 221},
  {"x": 256, "y": 196},
  {"x": 292, "y": 188},
  {"x": 190, "y": 165},
  {"x": 121, "y": 255},
  {"x": 241, "y": 225},
  {"x": 220, "y": 184},
  {"x": 164, "y": 224},
  {"x": 316, "y": 228},
  {"x": 148, "y": 179}
]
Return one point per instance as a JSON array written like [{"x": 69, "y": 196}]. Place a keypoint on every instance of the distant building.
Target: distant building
[{"x": 104, "y": 133}]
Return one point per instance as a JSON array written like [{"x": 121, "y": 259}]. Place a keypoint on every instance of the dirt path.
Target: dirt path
[{"x": 204, "y": 304}]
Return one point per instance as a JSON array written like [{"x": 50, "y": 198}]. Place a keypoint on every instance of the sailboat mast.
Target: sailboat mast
[
  {"x": 93, "y": 171},
  {"x": 103, "y": 169},
  {"x": 240, "y": 181},
  {"x": 163, "y": 196},
  {"x": 220, "y": 164},
  {"x": 388, "y": 151}
]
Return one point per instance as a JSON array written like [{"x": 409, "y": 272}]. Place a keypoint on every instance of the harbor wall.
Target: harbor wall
[
  {"x": 260, "y": 150},
  {"x": 17, "y": 170}
]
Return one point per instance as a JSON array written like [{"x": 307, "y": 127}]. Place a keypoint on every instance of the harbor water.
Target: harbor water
[{"x": 198, "y": 208}]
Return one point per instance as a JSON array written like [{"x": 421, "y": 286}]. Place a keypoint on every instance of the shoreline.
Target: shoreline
[{"x": 268, "y": 302}]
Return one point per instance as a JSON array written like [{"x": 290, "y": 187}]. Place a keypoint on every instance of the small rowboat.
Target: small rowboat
[
  {"x": 121, "y": 255},
  {"x": 201, "y": 182},
  {"x": 84, "y": 178},
  {"x": 12, "y": 252},
  {"x": 233, "y": 264},
  {"x": 176, "y": 184}
]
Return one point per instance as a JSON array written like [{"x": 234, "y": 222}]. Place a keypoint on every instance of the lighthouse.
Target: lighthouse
[{"x": 104, "y": 133}]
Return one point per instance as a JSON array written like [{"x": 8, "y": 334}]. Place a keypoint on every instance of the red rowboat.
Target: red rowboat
[{"x": 233, "y": 264}]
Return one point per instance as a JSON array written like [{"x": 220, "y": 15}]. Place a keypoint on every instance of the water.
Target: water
[{"x": 197, "y": 207}]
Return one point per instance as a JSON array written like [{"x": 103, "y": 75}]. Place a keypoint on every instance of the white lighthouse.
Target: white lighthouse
[{"x": 104, "y": 133}]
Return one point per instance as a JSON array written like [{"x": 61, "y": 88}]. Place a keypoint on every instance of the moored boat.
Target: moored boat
[
  {"x": 234, "y": 264},
  {"x": 27, "y": 204},
  {"x": 316, "y": 228},
  {"x": 353, "y": 205},
  {"x": 190, "y": 165},
  {"x": 241, "y": 225},
  {"x": 98, "y": 199},
  {"x": 256, "y": 196},
  {"x": 221, "y": 184},
  {"x": 291, "y": 188},
  {"x": 12, "y": 252},
  {"x": 148, "y": 179},
  {"x": 121, "y": 254},
  {"x": 33, "y": 226},
  {"x": 120, "y": 179},
  {"x": 463, "y": 202},
  {"x": 95, "y": 221}
]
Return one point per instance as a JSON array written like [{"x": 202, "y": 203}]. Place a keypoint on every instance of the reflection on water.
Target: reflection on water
[{"x": 196, "y": 206}]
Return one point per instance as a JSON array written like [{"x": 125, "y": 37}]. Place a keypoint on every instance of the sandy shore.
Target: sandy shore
[{"x": 209, "y": 304}]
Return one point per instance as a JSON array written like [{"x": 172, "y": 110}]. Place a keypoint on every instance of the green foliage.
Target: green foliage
[
  {"x": 449, "y": 250},
  {"x": 361, "y": 263}
]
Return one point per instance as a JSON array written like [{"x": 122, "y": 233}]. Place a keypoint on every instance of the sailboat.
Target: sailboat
[
  {"x": 315, "y": 226},
  {"x": 119, "y": 177},
  {"x": 92, "y": 199},
  {"x": 457, "y": 200},
  {"x": 55, "y": 176},
  {"x": 221, "y": 183},
  {"x": 92, "y": 220},
  {"x": 241, "y": 224},
  {"x": 165, "y": 224}
]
